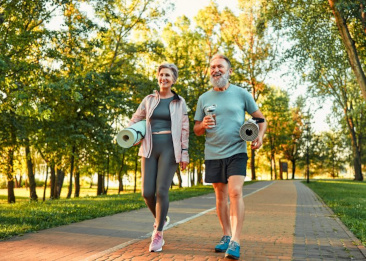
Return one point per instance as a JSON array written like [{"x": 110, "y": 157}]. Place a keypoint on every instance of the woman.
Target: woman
[{"x": 165, "y": 146}]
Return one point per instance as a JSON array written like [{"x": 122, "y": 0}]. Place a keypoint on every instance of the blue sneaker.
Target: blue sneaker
[
  {"x": 233, "y": 250},
  {"x": 223, "y": 245}
]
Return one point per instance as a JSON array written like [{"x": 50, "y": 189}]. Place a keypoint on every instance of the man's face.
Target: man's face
[{"x": 219, "y": 73}]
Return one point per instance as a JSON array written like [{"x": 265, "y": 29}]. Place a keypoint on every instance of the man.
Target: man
[{"x": 225, "y": 152}]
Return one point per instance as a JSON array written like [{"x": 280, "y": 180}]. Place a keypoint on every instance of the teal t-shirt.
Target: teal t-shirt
[{"x": 224, "y": 141}]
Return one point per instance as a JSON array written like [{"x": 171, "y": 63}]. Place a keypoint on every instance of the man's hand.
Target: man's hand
[
  {"x": 257, "y": 143},
  {"x": 201, "y": 126},
  {"x": 209, "y": 121}
]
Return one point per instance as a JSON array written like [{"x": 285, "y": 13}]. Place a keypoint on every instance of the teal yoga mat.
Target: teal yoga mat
[{"x": 130, "y": 136}]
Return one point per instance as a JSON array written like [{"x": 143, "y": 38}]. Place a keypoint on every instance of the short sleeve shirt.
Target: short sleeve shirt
[{"x": 224, "y": 141}]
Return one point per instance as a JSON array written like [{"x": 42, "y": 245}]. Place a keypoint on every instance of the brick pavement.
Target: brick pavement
[{"x": 284, "y": 221}]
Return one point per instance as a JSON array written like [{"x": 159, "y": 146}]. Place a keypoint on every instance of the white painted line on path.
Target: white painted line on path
[{"x": 120, "y": 246}]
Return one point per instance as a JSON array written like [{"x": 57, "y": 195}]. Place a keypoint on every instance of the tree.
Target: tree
[
  {"x": 325, "y": 69},
  {"x": 22, "y": 35},
  {"x": 350, "y": 15},
  {"x": 279, "y": 131},
  {"x": 331, "y": 152}
]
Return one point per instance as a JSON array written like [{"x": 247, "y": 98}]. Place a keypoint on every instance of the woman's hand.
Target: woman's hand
[
  {"x": 183, "y": 165},
  {"x": 138, "y": 143}
]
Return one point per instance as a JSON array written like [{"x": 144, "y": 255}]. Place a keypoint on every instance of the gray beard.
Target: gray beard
[{"x": 221, "y": 82}]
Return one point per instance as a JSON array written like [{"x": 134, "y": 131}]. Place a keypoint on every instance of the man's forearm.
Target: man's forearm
[{"x": 262, "y": 128}]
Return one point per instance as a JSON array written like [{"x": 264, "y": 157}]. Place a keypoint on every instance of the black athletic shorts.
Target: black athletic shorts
[{"x": 218, "y": 171}]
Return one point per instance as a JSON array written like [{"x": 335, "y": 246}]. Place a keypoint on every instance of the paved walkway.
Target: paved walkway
[{"x": 284, "y": 221}]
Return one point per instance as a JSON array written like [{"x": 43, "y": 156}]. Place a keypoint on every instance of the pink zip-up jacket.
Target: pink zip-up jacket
[{"x": 179, "y": 127}]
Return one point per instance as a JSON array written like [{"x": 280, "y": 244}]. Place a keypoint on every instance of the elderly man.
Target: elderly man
[{"x": 225, "y": 152}]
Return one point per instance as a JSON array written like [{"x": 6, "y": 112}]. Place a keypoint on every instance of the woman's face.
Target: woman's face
[{"x": 165, "y": 78}]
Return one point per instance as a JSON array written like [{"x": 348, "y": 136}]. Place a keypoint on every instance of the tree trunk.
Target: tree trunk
[
  {"x": 120, "y": 180},
  {"x": 11, "y": 195},
  {"x": 100, "y": 184},
  {"x": 71, "y": 171},
  {"x": 281, "y": 170},
  {"x": 274, "y": 166},
  {"x": 77, "y": 184},
  {"x": 355, "y": 148},
  {"x": 293, "y": 168},
  {"x": 52, "y": 181},
  {"x": 120, "y": 184},
  {"x": 179, "y": 177},
  {"x": 45, "y": 184},
  {"x": 135, "y": 183},
  {"x": 357, "y": 165},
  {"x": 59, "y": 182},
  {"x": 199, "y": 174},
  {"x": 9, "y": 169},
  {"x": 32, "y": 181},
  {"x": 252, "y": 165},
  {"x": 106, "y": 188},
  {"x": 349, "y": 44}
]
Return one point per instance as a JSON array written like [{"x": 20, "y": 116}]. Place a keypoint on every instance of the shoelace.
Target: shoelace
[
  {"x": 156, "y": 239},
  {"x": 224, "y": 240},
  {"x": 232, "y": 246}
]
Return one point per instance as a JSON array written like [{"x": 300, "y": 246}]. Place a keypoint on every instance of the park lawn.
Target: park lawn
[
  {"x": 26, "y": 216},
  {"x": 347, "y": 199}
]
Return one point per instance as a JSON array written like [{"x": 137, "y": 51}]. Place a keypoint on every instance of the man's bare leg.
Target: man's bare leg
[
  {"x": 235, "y": 190},
  {"x": 222, "y": 207}
]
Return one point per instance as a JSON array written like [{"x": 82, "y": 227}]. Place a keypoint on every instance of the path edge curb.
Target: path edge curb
[{"x": 357, "y": 242}]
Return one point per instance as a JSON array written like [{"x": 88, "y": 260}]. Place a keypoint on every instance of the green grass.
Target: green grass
[
  {"x": 347, "y": 199},
  {"x": 25, "y": 216}
]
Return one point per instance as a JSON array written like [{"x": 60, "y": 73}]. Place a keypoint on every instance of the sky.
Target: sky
[{"x": 190, "y": 8}]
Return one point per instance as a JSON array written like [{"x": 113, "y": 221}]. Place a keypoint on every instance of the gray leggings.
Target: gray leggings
[{"x": 157, "y": 174}]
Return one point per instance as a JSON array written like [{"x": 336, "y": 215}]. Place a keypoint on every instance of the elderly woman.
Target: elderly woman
[{"x": 165, "y": 146}]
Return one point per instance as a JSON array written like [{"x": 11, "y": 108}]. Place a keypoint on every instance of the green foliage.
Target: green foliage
[
  {"x": 67, "y": 91},
  {"x": 276, "y": 109},
  {"x": 348, "y": 201},
  {"x": 24, "y": 217}
]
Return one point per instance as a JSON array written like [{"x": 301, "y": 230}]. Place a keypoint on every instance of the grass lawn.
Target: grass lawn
[{"x": 347, "y": 199}]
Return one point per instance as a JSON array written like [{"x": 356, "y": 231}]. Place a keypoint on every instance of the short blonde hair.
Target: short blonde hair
[{"x": 170, "y": 66}]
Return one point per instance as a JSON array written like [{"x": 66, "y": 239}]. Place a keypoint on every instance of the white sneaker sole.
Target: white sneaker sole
[{"x": 160, "y": 249}]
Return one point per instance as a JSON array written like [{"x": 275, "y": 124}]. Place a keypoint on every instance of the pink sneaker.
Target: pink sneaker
[
  {"x": 157, "y": 243},
  {"x": 166, "y": 223}
]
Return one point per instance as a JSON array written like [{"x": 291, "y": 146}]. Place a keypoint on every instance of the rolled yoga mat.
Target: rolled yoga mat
[
  {"x": 130, "y": 136},
  {"x": 249, "y": 130}
]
